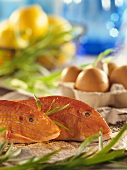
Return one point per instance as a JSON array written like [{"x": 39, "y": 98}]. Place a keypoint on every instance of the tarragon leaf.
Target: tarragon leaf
[
  {"x": 62, "y": 125},
  {"x": 38, "y": 103},
  {"x": 50, "y": 107},
  {"x": 100, "y": 140},
  {"x": 2, "y": 129},
  {"x": 3, "y": 145},
  {"x": 55, "y": 110},
  {"x": 86, "y": 143},
  {"x": 113, "y": 141},
  {"x": 104, "y": 157},
  {"x": 102, "y": 55}
]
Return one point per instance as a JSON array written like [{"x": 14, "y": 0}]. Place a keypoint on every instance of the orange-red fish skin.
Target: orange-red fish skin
[
  {"x": 25, "y": 124},
  {"x": 76, "y": 117}
]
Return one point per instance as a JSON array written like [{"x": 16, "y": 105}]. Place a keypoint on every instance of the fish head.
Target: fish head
[
  {"x": 91, "y": 122},
  {"x": 36, "y": 126}
]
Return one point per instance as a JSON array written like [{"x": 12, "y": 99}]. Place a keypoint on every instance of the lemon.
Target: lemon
[
  {"x": 29, "y": 23},
  {"x": 59, "y": 22},
  {"x": 51, "y": 62},
  {"x": 67, "y": 49},
  {"x": 59, "y": 25},
  {"x": 7, "y": 36}
]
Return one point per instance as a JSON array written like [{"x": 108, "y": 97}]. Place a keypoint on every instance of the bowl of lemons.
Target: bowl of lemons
[{"x": 31, "y": 34}]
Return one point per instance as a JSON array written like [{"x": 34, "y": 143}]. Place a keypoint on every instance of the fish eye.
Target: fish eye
[
  {"x": 87, "y": 114},
  {"x": 31, "y": 119}
]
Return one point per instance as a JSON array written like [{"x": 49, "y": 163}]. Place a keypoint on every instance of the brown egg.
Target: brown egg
[
  {"x": 119, "y": 75},
  {"x": 111, "y": 67},
  {"x": 69, "y": 74},
  {"x": 92, "y": 80},
  {"x": 102, "y": 65}
]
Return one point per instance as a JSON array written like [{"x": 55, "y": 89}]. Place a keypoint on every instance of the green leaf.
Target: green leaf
[
  {"x": 3, "y": 145},
  {"x": 38, "y": 103},
  {"x": 50, "y": 77},
  {"x": 50, "y": 107},
  {"x": 104, "y": 157},
  {"x": 109, "y": 146},
  {"x": 77, "y": 161},
  {"x": 100, "y": 140},
  {"x": 108, "y": 59},
  {"x": 57, "y": 109},
  {"x": 86, "y": 143},
  {"x": 9, "y": 149},
  {"x": 32, "y": 163},
  {"x": 62, "y": 125},
  {"x": 102, "y": 55},
  {"x": 85, "y": 65},
  {"x": 2, "y": 129},
  {"x": 15, "y": 153}
]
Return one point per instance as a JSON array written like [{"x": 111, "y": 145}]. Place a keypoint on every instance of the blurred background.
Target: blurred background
[
  {"x": 40, "y": 36},
  {"x": 105, "y": 21}
]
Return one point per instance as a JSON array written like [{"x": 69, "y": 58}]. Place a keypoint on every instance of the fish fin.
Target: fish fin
[
  {"x": 8, "y": 135},
  {"x": 17, "y": 138}
]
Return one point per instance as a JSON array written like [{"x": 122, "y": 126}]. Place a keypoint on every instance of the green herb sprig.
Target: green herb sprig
[
  {"x": 51, "y": 111},
  {"x": 102, "y": 55},
  {"x": 82, "y": 159},
  {"x": 55, "y": 110},
  {"x": 38, "y": 103},
  {"x": 24, "y": 72}
]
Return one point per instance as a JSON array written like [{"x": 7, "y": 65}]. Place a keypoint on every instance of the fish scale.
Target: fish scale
[
  {"x": 73, "y": 117},
  {"x": 22, "y": 130}
]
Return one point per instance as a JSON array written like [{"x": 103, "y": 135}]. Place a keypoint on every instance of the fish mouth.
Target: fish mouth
[
  {"x": 107, "y": 136},
  {"x": 17, "y": 138}
]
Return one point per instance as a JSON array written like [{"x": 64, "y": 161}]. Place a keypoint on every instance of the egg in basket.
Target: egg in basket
[{"x": 99, "y": 85}]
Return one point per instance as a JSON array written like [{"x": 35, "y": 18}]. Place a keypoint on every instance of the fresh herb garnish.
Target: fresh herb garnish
[
  {"x": 38, "y": 103},
  {"x": 25, "y": 69},
  {"x": 4, "y": 157},
  {"x": 51, "y": 111},
  {"x": 82, "y": 159},
  {"x": 62, "y": 125},
  {"x": 102, "y": 55},
  {"x": 24, "y": 72},
  {"x": 100, "y": 140},
  {"x": 55, "y": 110},
  {"x": 50, "y": 107}
]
